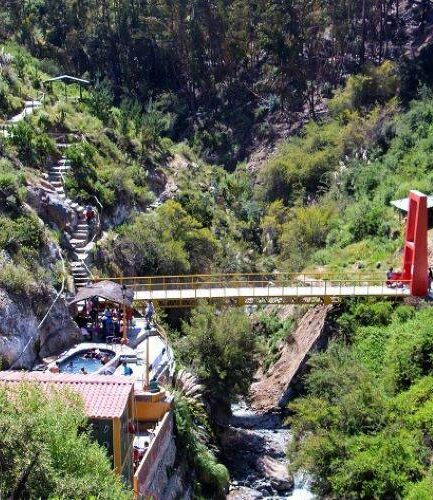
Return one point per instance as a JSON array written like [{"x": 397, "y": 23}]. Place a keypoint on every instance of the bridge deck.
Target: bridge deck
[{"x": 261, "y": 292}]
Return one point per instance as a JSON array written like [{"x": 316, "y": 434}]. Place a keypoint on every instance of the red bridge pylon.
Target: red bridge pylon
[{"x": 415, "y": 260}]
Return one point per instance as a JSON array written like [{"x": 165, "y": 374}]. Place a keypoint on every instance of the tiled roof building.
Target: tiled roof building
[{"x": 104, "y": 396}]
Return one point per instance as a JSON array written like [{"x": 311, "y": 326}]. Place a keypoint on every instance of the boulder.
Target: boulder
[
  {"x": 243, "y": 493},
  {"x": 50, "y": 208},
  {"x": 21, "y": 342},
  {"x": 277, "y": 474}
]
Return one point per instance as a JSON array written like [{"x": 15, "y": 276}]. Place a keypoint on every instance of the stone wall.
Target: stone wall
[{"x": 155, "y": 471}]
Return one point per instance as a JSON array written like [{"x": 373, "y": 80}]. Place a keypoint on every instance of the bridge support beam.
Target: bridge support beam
[{"x": 415, "y": 259}]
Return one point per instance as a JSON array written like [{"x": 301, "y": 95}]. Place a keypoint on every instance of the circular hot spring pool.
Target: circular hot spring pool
[{"x": 91, "y": 360}]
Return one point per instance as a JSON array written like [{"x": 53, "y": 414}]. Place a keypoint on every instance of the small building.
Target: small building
[
  {"x": 108, "y": 403},
  {"x": 67, "y": 80},
  {"x": 402, "y": 206}
]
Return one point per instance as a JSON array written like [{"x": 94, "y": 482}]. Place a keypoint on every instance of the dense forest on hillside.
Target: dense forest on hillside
[
  {"x": 221, "y": 68},
  {"x": 182, "y": 96}
]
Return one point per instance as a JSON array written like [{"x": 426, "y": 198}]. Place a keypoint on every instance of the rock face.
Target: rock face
[
  {"x": 20, "y": 340},
  {"x": 50, "y": 208},
  {"x": 273, "y": 391}
]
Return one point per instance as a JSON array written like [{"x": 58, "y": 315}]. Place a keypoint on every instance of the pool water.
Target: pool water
[{"x": 74, "y": 363}]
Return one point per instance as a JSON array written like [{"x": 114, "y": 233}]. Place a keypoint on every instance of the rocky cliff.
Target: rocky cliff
[
  {"x": 21, "y": 341},
  {"x": 275, "y": 387}
]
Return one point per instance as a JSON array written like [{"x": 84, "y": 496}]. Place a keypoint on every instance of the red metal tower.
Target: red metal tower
[{"x": 415, "y": 260}]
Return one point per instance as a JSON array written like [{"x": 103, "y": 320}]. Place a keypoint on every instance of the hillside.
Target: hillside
[
  {"x": 227, "y": 137},
  {"x": 225, "y": 71}
]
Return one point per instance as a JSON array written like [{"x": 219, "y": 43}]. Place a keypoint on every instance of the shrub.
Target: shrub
[
  {"x": 23, "y": 231},
  {"x": 33, "y": 146},
  {"x": 15, "y": 279},
  {"x": 304, "y": 232},
  {"x": 212, "y": 478},
  {"x": 409, "y": 354},
  {"x": 100, "y": 99},
  {"x": 377, "y": 85},
  {"x": 47, "y": 437},
  {"x": 220, "y": 349}
]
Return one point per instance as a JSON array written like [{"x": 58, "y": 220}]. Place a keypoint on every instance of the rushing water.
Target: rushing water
[{"x": 251, "y": 441}]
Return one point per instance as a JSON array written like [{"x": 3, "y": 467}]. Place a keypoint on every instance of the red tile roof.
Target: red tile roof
[{"x": 104, "y": 396}]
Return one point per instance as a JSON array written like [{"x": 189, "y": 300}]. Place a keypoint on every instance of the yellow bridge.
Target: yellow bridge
[{"x": 253, "y": 288}]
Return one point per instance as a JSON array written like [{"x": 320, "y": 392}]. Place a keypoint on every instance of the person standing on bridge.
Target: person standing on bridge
[
  {"x": 150, "y": 310},
  {"x": 390, "y": 277}
]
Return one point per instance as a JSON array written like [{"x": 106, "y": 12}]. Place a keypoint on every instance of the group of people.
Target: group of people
[
  {"x": 108, "y": 323},
  {"x": 394, "y": 278},
  {"x": 97, "y": 354}
]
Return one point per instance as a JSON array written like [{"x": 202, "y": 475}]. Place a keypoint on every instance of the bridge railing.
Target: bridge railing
[{"x": 258, "y": 280}]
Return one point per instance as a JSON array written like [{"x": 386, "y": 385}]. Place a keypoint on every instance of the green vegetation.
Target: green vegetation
[
  {"x": 220, "y": 347},
  {"x": 364, "y": 427},
  {"x": 46, "y": 450},
  {"x": 180, "y": 95},
  {"x": 211, "y": 478},
  {"x": 22, "y": 237},
  {"x": 273, "y": 332},
  {"x": 222, "y": 68}
]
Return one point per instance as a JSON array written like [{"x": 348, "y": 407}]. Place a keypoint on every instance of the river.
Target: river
[{"x": 254, "y": 450}]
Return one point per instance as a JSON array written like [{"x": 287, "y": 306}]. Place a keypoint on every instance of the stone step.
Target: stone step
[
  {"x": 78, "y": 243},
  {"x": 59, "y": 170},
  {"x": 77, "y": 264},
  {"x": 57, "y": 183},
  {"x": 83, "y": 226},
  {"x": 61, "y": 145},
  {"x": 81, "y": 283},
  {"x": 80, "y": 275},
  {"x": 80, "y": 235}
]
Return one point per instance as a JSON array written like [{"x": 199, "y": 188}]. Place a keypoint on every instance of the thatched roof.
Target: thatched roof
[{"x": 108, "y": 290}]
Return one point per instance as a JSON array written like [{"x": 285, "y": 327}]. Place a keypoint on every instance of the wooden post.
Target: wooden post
[
  {"x": 146, "y": 378},
  {"x": 125, "y": 328}
]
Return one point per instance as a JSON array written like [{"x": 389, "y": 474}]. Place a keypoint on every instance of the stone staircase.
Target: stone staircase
[
  {"x": 29, "y": 108},
  {"x": 79, "y": 235}
]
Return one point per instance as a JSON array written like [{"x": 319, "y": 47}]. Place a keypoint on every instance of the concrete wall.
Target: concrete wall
[{"x": 152, "y": 475}]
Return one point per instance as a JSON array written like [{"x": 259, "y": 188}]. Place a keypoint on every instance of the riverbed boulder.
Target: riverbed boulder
[
  {"x": 277, "y": 473},
  {"x": 243, "y": 493},
  {"x": 275, "y": 388}
]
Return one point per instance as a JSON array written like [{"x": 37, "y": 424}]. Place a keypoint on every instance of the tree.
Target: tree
[
  {"x": 46, "y": 449},
  {"x": 220, "y": 349}
]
